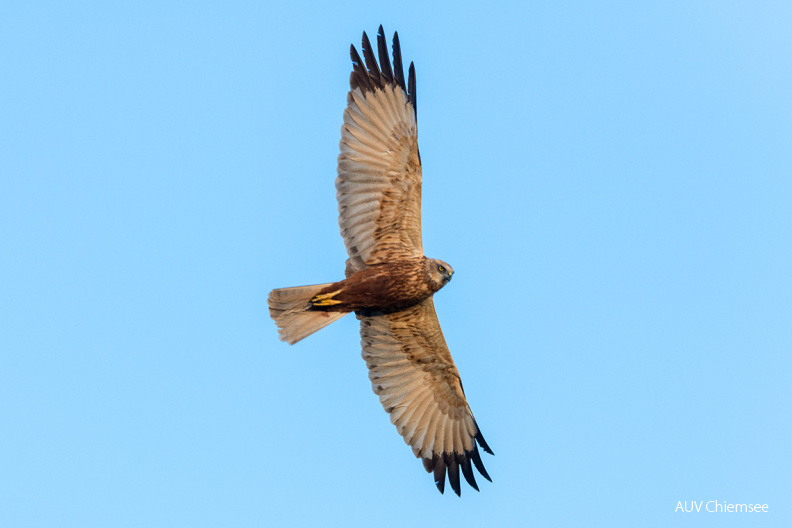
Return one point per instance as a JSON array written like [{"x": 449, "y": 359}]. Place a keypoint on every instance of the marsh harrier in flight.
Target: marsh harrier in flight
[{"x": 389, "y": 282}]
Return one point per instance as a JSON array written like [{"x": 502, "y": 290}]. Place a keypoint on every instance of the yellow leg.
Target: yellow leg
[{"x": 326, "y": 299}]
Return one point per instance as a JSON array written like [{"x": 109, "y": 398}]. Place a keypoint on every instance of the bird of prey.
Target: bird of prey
[{"x": 389, "y": 282}]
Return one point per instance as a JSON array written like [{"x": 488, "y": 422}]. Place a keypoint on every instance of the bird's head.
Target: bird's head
[{"x": 439, "y": 272}]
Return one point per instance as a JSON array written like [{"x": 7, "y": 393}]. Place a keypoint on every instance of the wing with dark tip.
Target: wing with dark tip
[
  {"x": 379, "y": 168},
  {"x": 412, "y": 372}
]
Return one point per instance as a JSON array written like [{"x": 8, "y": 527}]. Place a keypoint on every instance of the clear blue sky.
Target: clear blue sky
[{"x": 612, "y": 184}]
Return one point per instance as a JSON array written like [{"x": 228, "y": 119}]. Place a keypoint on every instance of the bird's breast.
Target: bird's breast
[{"x": 386, "y": 287}]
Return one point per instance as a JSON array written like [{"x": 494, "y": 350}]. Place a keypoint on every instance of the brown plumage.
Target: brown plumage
[
  {"x": 389, "y": 282},
  {"x": 386, "y": 287}
]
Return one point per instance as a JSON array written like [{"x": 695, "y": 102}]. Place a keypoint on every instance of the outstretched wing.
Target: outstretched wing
[
  {"x": 411, "y": 370},
  {"x": 379, "y": 168}
]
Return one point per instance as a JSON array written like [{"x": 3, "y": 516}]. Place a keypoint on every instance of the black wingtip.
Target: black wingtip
[
  {"x": 482, "y": 442},
  {"x": 360, "y": 76},
  {"x": 440, "y": 474},
  {"x": 428, "y": 464},
  {"x": 382, "y": 51},
  {"x": 371, "y": 62},
  {"x": 398, "y": 69},
  {"x": 353, "y": 54},
  {"x": 467, "y": 472},
  {"x": 411, "y": 92},
  {"x": 476, "y": 458},
  {"x": 452, "y": 464},
  {"x": 369, "y": 75}
]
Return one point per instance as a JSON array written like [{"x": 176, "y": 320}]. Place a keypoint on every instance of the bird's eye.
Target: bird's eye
[{"x": 441, "y": 269}]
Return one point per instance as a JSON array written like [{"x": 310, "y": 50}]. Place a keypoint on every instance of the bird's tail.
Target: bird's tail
[{"x": 291, "y": 310}]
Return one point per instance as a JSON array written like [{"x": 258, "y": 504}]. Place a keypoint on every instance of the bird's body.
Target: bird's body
[
  {"x": 387, "y": 287},
  {"x": 389, "y": 282}
]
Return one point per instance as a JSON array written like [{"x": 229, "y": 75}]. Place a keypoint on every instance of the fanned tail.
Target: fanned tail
[{"x": 291, "y": 310}]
